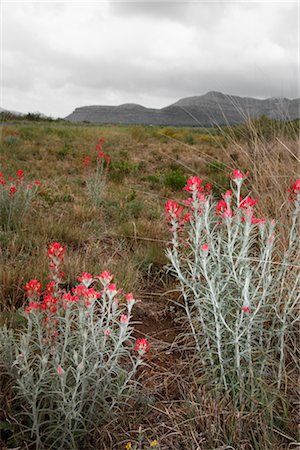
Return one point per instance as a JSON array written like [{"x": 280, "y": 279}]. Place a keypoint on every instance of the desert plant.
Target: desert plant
[
  {"x": 16, "y": 196},
  {"x": 73, "y": 365},
  {"x": 96, "y": 176},
  {"x": 239, "y": 293},
  {"x": 174, "y": 179}
]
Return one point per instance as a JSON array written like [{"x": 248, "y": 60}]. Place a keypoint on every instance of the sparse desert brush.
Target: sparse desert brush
[
  {"x": 240, "y": 293},
  {"x": 16, "y": 196},
  {"x": 174, "y": 179},
  {"x": 74, "y": 364}
]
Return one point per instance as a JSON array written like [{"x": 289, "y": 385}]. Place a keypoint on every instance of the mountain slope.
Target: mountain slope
[{"x": 213, "y": 108}]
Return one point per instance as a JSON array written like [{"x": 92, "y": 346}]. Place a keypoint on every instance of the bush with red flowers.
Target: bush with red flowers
[
  {"x": 16, "y": 195},
  {"x": 75, "y": 363}
]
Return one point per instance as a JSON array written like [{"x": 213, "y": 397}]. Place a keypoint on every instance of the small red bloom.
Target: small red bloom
[
  {"x": 56, "y": 250},
  {"x": 33, "y": 305},
  {"x": 124, "y": 319},
  {"x": 294, "y": 189},
  {"x": 220, "y": 207},
  {"x": 246, "y": 309},
  {"x": 33, "y": 287},
  {"x": 237, "y": 175},
  {"x": 105, "y": 276},
  {"x": 12, "y": 190},
  {"x": 228, "y": 194},
  {"x": 142, "y": 346},
  {"x": 20, "y": 174},
  {"x": 112, "y": 288},
  {"x": 173, "y": 209},
  {"x": 193, "y": 184},
  {"x": 60, "y": 371},
  {"x": 87, "y": 161},
  {"x": 205, "y": 247},
  {"x": 248, "y": 202},
  {"x": 86, "y": 278},
  {"x": 208, "y": 188},
  {"x": 130, "y": 299}
]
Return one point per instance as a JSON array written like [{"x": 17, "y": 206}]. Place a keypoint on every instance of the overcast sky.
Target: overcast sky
[{"x": 59, "y": 55}]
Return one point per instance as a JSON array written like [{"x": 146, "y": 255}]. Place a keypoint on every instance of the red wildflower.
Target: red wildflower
[
  {"x": 130, "y": 299},
  {"x": 32, "y": 306},
  {"x": 124, "y": 320},
  {"x": 173, "y": 209},
  {"x": 220, "y": 207},
  {"x": 105, "y": 276},
  {"x": 60, "y": 371},
  {"x": 247, "y": 202},
  {"x": 205, "y": 247},
  {"x": 56, "y": 250},
  {"x": 208, "y": 188},
  {"x": 237, "y": 175},
  {"x": 86, "y": 278},
  {"x": 255, "y": 220},
  {"x": 20, "y": 174},
  {"x": 82, "y": 291},
  {"x": 142, "y": 346},
  {"x": 33, "y": 287},
  {"x": 87, "y": 161},
  {"x": 294, "y": 189},
  {"x": 246, "y": 309},
  {"x": 12, "y": 190},
  {"x": 228, "y": 194},
  {"x": 68, "y": 297},
  {"x": 193, "y": 184},
  {"x": 50, "y": 287},
  {"x": 37, "y": 183},
  {"x": 112, "y": 288},
  {"x": 101, "y": 143}
]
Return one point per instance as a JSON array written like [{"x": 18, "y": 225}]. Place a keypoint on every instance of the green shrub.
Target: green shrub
[
  {"x": 120, "y": 169},
  {"x": 174, "y": 179}
]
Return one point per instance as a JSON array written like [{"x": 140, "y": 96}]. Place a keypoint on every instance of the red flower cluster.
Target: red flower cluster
[
  {"x": 238, "y": 175},
  {"x": 101, "y": 156},
  {"x": 33, "y": 287},
  {"x": 20, "y": 175},
  {"x": 142, "y": 346},
  {"x": 294, "y": 190},
  {"x": 86, "y": 279},
  {"x": 87, "y": 161},
  {"x": 16, "y": 183},
  {"x": 194, "y": 184},
  {"x": 173, "y": 210},
  {"x": 12, "y": 190},
  {"x": 56, "y": 251},
  {"x": 222, "y": 209}
]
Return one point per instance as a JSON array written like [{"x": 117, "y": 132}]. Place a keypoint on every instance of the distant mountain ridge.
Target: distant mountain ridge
[{"x": 213, "y": 108}]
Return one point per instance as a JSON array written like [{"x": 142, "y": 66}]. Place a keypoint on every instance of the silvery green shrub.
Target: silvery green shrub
[
  {"x": 73, "y": 365},
  {"x": 96, "y": 176},
  {"x": 16, "y": 196},
  {"x": 239, "y": 293}
]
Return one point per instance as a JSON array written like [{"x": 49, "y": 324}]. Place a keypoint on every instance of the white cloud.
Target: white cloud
[{"x": 57, "y": 56}]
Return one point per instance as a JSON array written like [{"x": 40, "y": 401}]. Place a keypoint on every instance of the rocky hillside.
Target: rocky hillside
[{"x": 213, "y": 108}]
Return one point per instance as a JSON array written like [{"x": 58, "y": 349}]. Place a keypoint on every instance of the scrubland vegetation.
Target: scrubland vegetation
[{"x": 198, "y": 350}]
